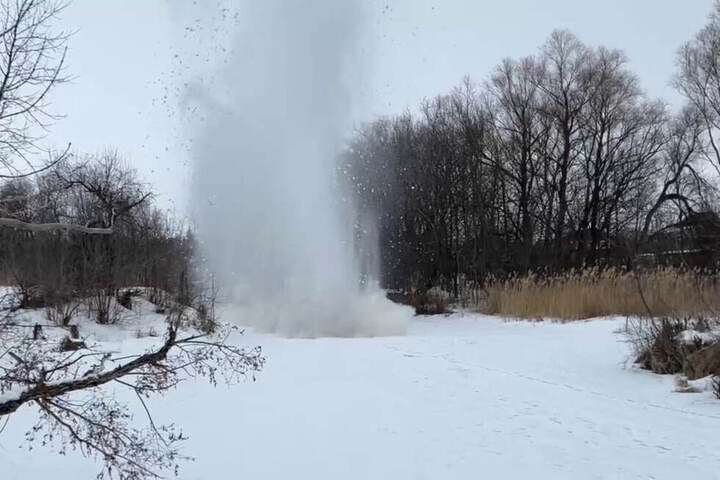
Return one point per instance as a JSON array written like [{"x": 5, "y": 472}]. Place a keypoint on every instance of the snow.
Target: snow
[
  {"x": 10, "y": 394},
  {"x": 689, "y": 336},
  {"x": 463, "y": 396}
]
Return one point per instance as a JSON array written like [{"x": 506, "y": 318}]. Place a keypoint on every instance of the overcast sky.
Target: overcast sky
[{"x": 126, "y": 53}]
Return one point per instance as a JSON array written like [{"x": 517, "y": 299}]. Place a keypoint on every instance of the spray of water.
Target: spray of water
[{"x": 268, "y": 210}]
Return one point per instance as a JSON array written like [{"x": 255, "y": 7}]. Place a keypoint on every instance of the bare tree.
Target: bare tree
[
  {"x": 32, "y": 57},
  {"x": 520, "y": 132},
  {"x": 564, "y": 80},
  {"x": 622, "y": 134},
  {"x": 682, "y": 180},
  {"x": 698, "y": 79}
]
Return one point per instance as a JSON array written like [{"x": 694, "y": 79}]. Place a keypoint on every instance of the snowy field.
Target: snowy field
[{"x": 459, "y": 397}]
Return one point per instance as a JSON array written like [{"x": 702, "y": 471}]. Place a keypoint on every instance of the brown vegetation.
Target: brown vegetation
[
  {"x": 703, "y": 362},
  {"x": 424, "y": 302},
  {"x": 593, "y": 293}
]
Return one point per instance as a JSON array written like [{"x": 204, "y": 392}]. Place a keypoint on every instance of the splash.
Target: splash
[{"x": 269, "y": 212}]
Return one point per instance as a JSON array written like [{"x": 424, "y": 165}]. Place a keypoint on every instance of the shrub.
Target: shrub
[
  {"x": 427, "y": 302},
  {"x": 659, "y": 343},
  {"x": 204, "y": 306},
  {"x": 716, "y": 386},
  {"x": 104, "y": 307},
  {"x": 125, "y": 298},
  {"x": 160, "y": 298},
  {"x": 62, "y": 313},
  {"x": 30, "y": 296},
  {"x": 661, "y": 352},
  {"x": 205, "y": 320}
]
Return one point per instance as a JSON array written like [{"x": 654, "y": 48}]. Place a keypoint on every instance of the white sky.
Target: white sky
[{"x": 122, "y": 60}]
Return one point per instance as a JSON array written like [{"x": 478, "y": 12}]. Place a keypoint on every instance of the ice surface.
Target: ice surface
[{"x": 461, "y": 397}]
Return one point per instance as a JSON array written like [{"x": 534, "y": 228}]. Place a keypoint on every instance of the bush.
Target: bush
[
  {"x": 659, "y": 343},
  {"x": 160, "y": 298},
  {"x": 205, "y": 320},
  {"x": 104, "y": 307},
  {"x": 661, "y": 351},
  {"x": 30, "y": 296},
  {"x": 62, "y": 313},
  {"x": 125, "y": 299},
  {"x": 716, "y": 386},
  {"x": 204, "y": 306},
  {"x": 428, "y": 302}
]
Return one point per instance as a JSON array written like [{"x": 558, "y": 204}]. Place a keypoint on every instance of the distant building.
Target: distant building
[{"x": 692, "y": 242}]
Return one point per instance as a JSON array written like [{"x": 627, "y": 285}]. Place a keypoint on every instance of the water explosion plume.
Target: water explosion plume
[{"x": 265, "y": 200}]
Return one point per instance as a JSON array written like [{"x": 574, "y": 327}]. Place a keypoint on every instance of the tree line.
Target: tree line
[
  {"x": 86, "y": 228},
  {"x": 558, "y": 160}
]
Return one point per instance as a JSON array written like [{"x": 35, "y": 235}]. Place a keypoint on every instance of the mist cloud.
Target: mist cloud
[{"x": 264, "y": 141}]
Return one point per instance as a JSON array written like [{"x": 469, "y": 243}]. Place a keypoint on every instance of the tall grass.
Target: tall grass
[{"x": 592, "y": 293}]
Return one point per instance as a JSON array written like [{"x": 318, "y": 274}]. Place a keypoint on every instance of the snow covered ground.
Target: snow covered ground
[{"x": 459, "y": 397}]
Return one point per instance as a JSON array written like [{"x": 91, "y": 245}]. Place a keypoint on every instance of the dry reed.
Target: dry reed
[{"x": 594, "y": 293}]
